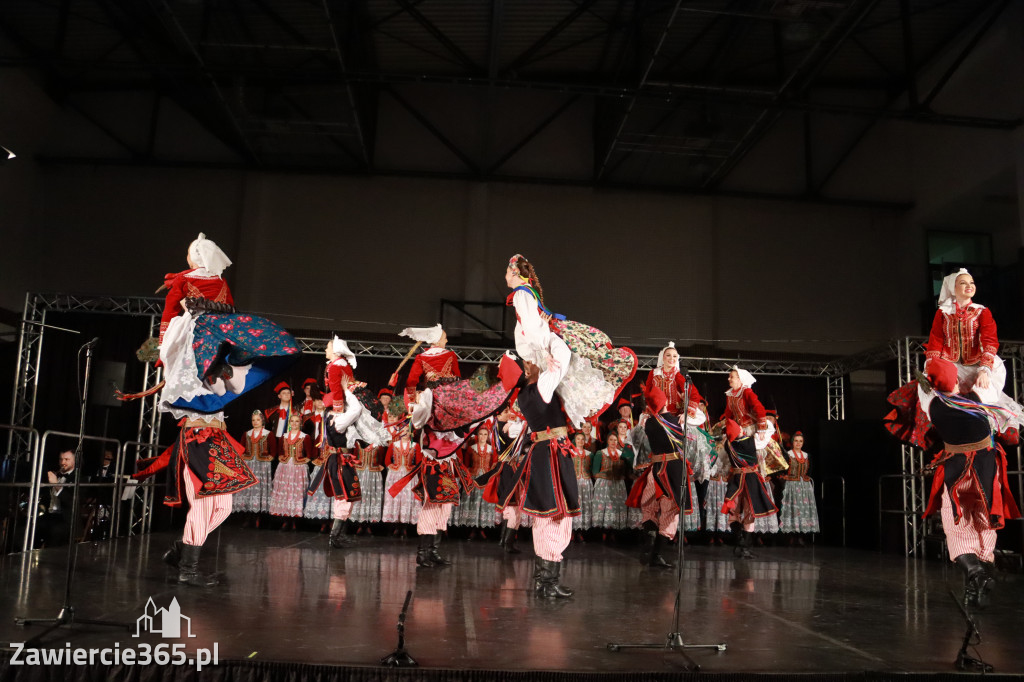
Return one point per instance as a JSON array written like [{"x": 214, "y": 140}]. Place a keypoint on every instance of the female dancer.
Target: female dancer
[
  {"x": 260, "y": 446},
  {"x": 294, "y": 452},
  {"x": 402, "y": 457},
  {"x": 473, "y": 511},
  {"x": 584, "y": 482},
  {"x": 595, "y": 370},
  {"x": 608, "y": 469},
  {"x": 743, "y": 407},
  {"x": 799, "y": 513},
  {"x": 369, "y": 509},
  {"x": 210, "y": 355}
]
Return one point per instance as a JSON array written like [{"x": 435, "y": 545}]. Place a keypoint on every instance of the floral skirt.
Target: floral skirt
[
  {"x": 255, "y": 348},
  {"x": 458, "y": 404},
  {"x": 255, "y": 498},
  {"x": 370, "y": 507},
  {"x": 799, "y": 512},
  {"x": 618, "y": 365},
  {"x": 716, "y": 520},
  {"x": 586, "y": 518},
  {"x": 610, "y": 509},
  {"x": 404, "y": 507},
  {"x": 318, "y": 505},
  {"x": 289, "y": 494}
]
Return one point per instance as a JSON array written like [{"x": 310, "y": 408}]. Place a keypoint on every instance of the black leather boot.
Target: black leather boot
[
  {"x": 188, "y": 568},
  {"x": 656, "y": 559},
  {"x": 743, "y": 541},
  {"x": 172, "y": 557},
  {"x": 339, "y": 537},
  {"x": 546, "y": 575},
  {"x": 435, "y": 556},
  {"x": 424, "y": 551},
  {"x": 977, "y": 581},
  {"x": 508, "y": 539}
]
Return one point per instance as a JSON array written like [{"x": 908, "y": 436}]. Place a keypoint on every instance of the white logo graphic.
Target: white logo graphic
[{"x": 169, "y": 623}]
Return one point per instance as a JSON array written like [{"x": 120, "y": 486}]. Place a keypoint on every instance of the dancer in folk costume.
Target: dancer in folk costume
[
  {"x": 402, "y": 457},
  {"x": 480, "y": 457},
  {"x": 970, "y": 487},
  {"x": 583, "y": 466},
  {"x": 664, "y": 490},
  {"x": 544, "y": 486},
  {"x": 624, "y": 431},
  {"x": 277, "y": 417},
  {"x": 509, "y": 433},
  {"x": 318, "y": 505},
  {"x": 799, "y": 511},
  {"x": 294, "y": 451},
  {"x": 963, "y": 332},
  {"x": 748, "y": 496},
  {"x": 743, "y": 406},
  {"x": 348, "y": 421},
  {"x": 210, "y": 355},
  {"x": 447, "y": 410},
  {"x": 609, "y": 471},
  {"x": 369, "y": 508},
  {"x": 595, "y": 370},
  {"x": 260, "y": 446}
]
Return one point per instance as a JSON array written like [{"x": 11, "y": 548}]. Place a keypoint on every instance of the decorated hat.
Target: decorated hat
[
  {"x": 385, "y": 391},
  {"x": 732, "y": 430},
  {"x": 281, "y": 386},
  {"x": 941, "y": 374},
  {"x": 655, "y": 399},
  {"x": 624, "y": 402},
  {"x": 510, "y": 371},
  {"x": 309, "y": 382}
]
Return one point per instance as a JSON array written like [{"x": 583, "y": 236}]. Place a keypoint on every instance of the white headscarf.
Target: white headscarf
[
  {"x": 746, "y": 378},
  {"x": 947, "y": 294},
  {"x": 207, "y": 255},
  {"x": 423, "y": 334},
  {"x": 661, "y": 359},
  {"x": 341, "y": 349}
]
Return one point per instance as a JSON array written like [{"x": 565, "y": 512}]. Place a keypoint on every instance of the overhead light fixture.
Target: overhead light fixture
[{"x": 6, "y": 155}]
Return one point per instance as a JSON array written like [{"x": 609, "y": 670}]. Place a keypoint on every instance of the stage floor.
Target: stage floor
[{"x": 287, "y": 597}]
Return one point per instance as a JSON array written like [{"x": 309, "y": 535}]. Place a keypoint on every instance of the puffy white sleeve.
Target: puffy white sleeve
[
  {"x": 345, "y": 419},
  {"x": 532, "y": 332},
  {"x": 551, "y": 377}
]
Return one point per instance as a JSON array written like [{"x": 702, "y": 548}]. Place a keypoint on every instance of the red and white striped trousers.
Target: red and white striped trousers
[
  {"x": 204, "y": 513},
  {"x": 662, "y": 511},
  {"x": 551, "y": 535},
  {"x": 972, "y": 535},
  {"x": 513, "y": 516},
  {"x": 340, "y": 508},
  {"x": 433, "y": 518}
]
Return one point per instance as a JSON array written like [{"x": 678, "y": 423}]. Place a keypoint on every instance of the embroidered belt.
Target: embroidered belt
[
  {"x": 665, "y": 458},
  {"x": 200, "y": 424},
  {"x": 747, "y": 470},
  {"x": 549, "y": 434},
  {"x": 955, "y": 448}
]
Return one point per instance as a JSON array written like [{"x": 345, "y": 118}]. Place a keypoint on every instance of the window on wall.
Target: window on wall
[{"x": 949, "y": 251}]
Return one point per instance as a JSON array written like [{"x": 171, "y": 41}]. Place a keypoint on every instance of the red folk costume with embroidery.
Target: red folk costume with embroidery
[
  {"x": 744, "y": 408},
  {"x": 673, "y": 385},
  {"x": 967, "y": 336},
  {"x": 336, "y": 369},
  {"x": 185, "y": 284},
  {"x": 436, "y": 364}
]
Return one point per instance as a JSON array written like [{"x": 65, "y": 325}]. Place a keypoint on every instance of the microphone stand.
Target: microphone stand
[
  {"x": 674, "y": 641},
  {"x": 66, "y": 615}
]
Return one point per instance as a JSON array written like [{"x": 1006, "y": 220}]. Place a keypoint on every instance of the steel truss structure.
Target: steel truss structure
[{"x": 906, "y": 351}]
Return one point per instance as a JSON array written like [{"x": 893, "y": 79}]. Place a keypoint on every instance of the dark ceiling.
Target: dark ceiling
[{"x": 669, "y": 95}]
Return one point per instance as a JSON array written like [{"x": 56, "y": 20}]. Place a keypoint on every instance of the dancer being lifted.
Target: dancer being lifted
[
  {"x": 594, "y": 370},
  {"x": 210, "y": 355},
  {"x": 964, "y": 333},
  {"x": 447, "y": 409}
]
